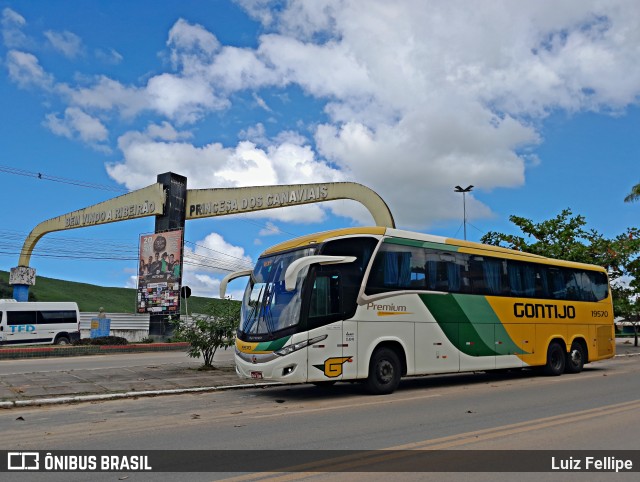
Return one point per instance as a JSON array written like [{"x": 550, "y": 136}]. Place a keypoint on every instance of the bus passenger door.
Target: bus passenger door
[{"x": 325, "y": 357}]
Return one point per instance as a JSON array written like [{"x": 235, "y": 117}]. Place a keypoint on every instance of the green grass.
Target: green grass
[{"x": 91, "y": 297}]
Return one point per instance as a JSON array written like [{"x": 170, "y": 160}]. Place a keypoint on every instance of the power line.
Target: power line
[
  {"x": 63, "y": 180},
  {"x": 104, "y": 187},
  {"x": 108, "y": 250},
  {"x": 215, "y": 251}
]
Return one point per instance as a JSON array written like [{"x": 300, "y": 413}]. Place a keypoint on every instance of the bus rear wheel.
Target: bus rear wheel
[
  {"x": 384, "y": 372},
  {"x": 555, "y": 360},
  {"x": 575, "y": 358},
  {"x": 62, "y": 340}
]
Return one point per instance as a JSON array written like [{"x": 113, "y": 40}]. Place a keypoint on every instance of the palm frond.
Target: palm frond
[{"x": 634, "y": 195}]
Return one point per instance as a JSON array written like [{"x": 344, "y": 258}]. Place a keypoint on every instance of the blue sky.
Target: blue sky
[{"x": 535, "y": 103}]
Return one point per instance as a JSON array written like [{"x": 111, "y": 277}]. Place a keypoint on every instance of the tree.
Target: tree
[
  {"x": 214, "y": 329},
  {"x": 565, "y": 237},
  {"x": 634, "y": 195}
]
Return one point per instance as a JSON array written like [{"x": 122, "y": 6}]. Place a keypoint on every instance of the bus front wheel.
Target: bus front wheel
[
  {"x": 384, "y": 372},
  {"x": 555, "y": 360}
]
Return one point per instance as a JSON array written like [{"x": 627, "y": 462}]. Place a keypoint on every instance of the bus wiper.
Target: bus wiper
[
  {"x": 251, "y": 318},
  {"x": 264, "y": 305}
]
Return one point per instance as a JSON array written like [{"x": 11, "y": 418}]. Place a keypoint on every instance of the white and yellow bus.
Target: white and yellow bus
[{"x": 375, "y": 304}]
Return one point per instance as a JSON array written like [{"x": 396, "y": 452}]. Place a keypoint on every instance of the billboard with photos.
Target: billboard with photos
[{"x": 160, "y": 273}]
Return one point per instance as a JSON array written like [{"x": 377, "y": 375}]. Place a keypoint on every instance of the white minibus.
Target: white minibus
[{"x": 38, "y": 323}]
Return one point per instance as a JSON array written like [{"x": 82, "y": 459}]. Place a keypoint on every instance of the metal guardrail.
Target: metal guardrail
[{"x": 119, "y": 321}]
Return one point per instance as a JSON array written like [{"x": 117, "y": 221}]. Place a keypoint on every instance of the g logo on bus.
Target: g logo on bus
[{"x": 332, "y": 367}]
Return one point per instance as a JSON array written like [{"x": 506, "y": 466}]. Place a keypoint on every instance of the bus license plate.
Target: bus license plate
[{"x": 256, "y": 375}]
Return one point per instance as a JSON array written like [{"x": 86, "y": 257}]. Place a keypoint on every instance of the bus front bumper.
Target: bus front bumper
[{"x": 287, "y": 369}]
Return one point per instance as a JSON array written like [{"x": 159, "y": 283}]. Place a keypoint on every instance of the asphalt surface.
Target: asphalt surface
[{"x": 78, "y": 385}]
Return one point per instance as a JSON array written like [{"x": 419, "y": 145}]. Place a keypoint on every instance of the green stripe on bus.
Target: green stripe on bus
[
  {"x": 272, "y": 345},
  {"x": 470, "y": 324},
  {"x": 279, "y": 343},
  {"x": 479, "y": 309},
  {"x": 421, "y": 244}
]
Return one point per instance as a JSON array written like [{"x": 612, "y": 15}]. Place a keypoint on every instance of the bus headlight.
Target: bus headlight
[{"x": 299, "y": 346}]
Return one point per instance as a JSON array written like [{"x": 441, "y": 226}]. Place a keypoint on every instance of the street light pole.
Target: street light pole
[{"x": 464, "y": 206}]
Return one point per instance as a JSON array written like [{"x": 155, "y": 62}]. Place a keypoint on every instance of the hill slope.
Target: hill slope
[{"x": 90, "y": 297}]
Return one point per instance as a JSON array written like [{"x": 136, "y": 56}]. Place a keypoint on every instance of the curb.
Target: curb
[{"x": 117, "y": 396}]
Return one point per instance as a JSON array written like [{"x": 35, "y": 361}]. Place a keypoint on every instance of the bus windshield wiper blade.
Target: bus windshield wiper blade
[{"x": 252, "y": 316}]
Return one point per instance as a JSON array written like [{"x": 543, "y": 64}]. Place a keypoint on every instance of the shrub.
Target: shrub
[{"x": 210, "y": 331}]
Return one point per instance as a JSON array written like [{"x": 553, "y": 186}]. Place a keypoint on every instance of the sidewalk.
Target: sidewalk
[{"x": 112, "y": 383}]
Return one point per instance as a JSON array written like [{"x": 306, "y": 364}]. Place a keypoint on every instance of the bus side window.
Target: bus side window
[
  {"x": 522, "y": 279},
  {"x": 391, "y": 271},
  {"x": 557, "y": 285},
  {"x": 600, "y": 285}
]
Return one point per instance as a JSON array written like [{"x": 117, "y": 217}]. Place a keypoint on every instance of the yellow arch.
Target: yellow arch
[{"x": 203, "y": 203}]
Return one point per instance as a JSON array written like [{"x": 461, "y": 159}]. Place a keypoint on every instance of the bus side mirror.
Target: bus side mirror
[
  {"x": 298, "y": 265},
  {"x": 232, "y": 276}
]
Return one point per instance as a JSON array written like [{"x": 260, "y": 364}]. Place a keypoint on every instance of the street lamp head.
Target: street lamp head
[{"x": 466, "y": 189}]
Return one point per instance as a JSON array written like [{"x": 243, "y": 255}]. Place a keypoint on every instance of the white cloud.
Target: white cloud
[
  {"x": 236, "y": 69},
  {"x": 270, "y": 229},
  {"x": 191, "y": 45},
  {"x": 261, "y": 102},
  {"x": 212, "y": 165},
  {"x": 26, "y": 71},
  {"x": 417, "y": 96},
  {"x": 109, "y": 56},
  {"x": 184, "y": 99},
  {"x": 77, "y": 124},
  {"x": 423, "y": 98},
  {"x": 12, "y": 24},
  {"x": 145, "y": 156},
  {"x": 166, "y": 132},
  {"x": 107, "y": 94},
  {"x": 418, "y": 99},
  {"x": 208, "y": 261},
  {"x": 131, "y": 282},
  {"x": 217, "y": 252},
  {"x": 67, "y": 43}
]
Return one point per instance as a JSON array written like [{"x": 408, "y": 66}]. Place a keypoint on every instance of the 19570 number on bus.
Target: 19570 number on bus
[{"x": 599, "y": 314}]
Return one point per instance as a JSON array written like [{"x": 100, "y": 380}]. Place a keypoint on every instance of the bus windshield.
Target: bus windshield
[{"x": 266, "y": 306}]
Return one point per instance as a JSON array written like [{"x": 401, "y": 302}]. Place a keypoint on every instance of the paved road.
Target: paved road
[
  {"x": 32, "y": 381},
  {"x": 587, "y": 411}
]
